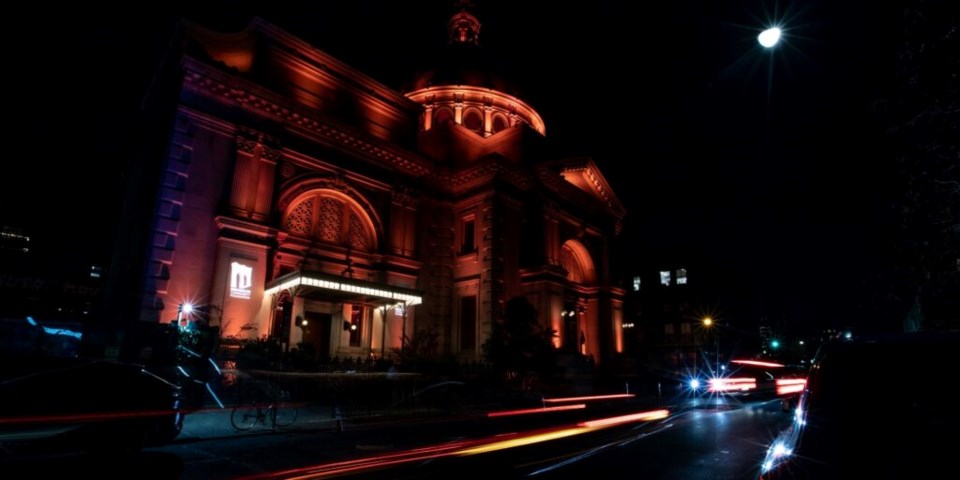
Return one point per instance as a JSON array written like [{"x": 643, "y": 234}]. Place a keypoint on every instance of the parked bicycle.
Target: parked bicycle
[{"x": 279, "y": 413}]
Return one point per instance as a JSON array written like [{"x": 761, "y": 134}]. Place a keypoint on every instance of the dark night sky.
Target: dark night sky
[{"x": 770, "y": 178}]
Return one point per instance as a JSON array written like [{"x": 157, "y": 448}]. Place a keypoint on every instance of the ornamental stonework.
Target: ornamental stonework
[
  {"x": 299, "y": 220},
  {"x": 257, "y": 146},
  {"x": 330, "y": 220},
  {"x": 404, "y": 196}
]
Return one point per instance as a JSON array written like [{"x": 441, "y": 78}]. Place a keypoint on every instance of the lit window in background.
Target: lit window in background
[
  {"x": 636, "y": 284},
  {"x": 682, "y": 276},
  {"x": 665, "y": 277}
]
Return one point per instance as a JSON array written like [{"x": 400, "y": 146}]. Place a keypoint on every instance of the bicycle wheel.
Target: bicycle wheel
[
  {"x": 244, "y": 417},
  {"x": 285, "y": 415}
]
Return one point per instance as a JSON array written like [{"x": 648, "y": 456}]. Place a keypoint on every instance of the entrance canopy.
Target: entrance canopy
[{"x": 324, "y": 286}]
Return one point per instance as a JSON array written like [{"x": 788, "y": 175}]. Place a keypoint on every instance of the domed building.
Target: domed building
[
  {"x": 465, "y": 86},
  {"x": 302, "y": 200}
]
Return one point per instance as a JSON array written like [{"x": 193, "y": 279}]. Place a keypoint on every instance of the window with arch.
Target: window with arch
[
  {"x": 473, "y": 119},
  {"x": 442, "y": 115},
  {"x": 569, "y": 262},
  {"x": 576, "y": 260},
  {"x": 332, "y": 217},
  {"x": 500, "y": 122}
]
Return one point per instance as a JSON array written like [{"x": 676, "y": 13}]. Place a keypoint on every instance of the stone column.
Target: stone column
[
  {"x": 487, "y": 121},
  {"x": 427, "y": 117},
  {"x": 253, "y": 178}
]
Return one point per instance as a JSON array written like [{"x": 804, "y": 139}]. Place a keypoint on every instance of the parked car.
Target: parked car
[
  {"x": 878, "y": 407},
  {"x": 62, "y": 404}
]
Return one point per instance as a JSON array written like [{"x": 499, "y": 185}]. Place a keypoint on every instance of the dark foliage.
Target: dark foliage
[{"x": 519, "y": 346}]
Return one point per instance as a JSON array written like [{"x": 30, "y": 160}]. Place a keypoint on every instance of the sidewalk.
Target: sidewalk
[
  {"x": 214, "y": 422},
  {"x": 319, "y": 415}
]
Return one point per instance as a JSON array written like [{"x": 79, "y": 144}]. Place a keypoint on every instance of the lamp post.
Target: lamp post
[
  {"x": 183, "y": 308},
  {"x": 383, "y": 330},
  {"x": 769, "y": 38},
  {"x": 709, "y": 323},
  {"x": 403, "y": 329}
]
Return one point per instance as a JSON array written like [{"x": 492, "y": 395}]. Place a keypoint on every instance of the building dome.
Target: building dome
[
  {"x": 464, "y": 86},
  {"x": 463, "y": 65}
]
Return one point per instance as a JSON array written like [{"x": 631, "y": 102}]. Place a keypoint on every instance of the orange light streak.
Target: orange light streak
[
  {"x": 633, "y": 417},
  {"x": 505, "y": 413},
  {"x": 369, "y": 463},
  {"x": 587, "y": 398},
  {"x": 461, "y": 448}
]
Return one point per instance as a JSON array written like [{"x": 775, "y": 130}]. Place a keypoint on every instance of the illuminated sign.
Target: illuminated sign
[{"x": 241, "y": 278}]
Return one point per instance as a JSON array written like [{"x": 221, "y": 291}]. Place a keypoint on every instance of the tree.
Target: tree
[
  {"x": 519, "y": 346},
  {"x": 422, "y": 348},
  {"x": 921, "y": 114}
]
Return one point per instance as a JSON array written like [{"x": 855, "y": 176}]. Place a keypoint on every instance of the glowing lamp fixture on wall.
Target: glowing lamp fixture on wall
[{"x": 183, "y": 309}]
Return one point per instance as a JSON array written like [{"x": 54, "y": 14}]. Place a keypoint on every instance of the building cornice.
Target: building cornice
[
  {"x": 329, "y": 78},
  {"x": 246, "y": 228},
  {"x": 330, "y": 65},
  {"x": 452, "y": 95},
  {"x": 206, "y": 80},
  {"x": 483, "y": 172}
]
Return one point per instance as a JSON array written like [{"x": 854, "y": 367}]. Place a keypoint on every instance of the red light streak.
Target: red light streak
[
  {"x": 790, "y": 385},
  {"x": 587, "y": 398},
  {"x": 505, "y": 413},
  {"x": 758, "y": 363},
  {"x": 85, "y": 417},
  {"x": 728, "y": 384},
  {"x": 464, "y": 447},
  {"x": 368, "y": 463}
]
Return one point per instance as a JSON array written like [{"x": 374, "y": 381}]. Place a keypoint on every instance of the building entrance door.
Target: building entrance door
[{"x": 317, "y": 333}]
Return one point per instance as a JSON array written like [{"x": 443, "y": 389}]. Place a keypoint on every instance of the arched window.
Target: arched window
[
  {"x": 576, "y": 260},
  {"x": 332, "y": 217},
  {"x": 473, "y": 119},
  {"x": 442, "y": 115},
  {"x": 500, "y": 122}
]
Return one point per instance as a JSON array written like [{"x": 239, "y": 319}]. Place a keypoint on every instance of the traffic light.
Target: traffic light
[{"x": 775, "y": 344}]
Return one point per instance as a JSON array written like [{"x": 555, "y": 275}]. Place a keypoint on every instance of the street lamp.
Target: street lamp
[
  {"x": 403, "y": 328},
  {"x": 769, "y": 37},
  {"x": 383, "y": 332},
  {"x": 183, "y": 308}
]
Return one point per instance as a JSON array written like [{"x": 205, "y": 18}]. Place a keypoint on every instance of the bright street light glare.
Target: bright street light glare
[{"x": 769, "y": 37}]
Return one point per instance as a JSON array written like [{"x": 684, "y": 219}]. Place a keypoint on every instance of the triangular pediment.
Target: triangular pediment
[{"x": 584, "y": 174}]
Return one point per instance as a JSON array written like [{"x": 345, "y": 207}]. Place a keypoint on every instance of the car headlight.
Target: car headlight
[{"x": 778, "y": 453}]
